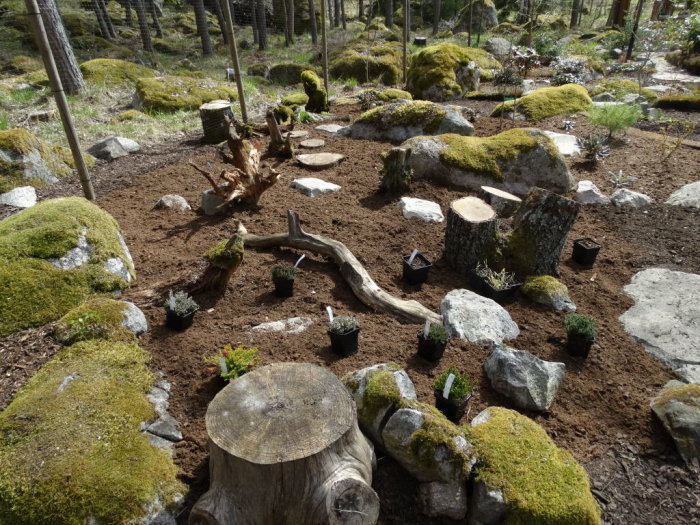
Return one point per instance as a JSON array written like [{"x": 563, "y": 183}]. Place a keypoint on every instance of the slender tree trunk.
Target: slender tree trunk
[
  {"x": 336, "y": 13},
  {"x": 389, "y": 13},
  {"x": 471, "y": 21},
  {"x": 128, "y": 17},
  {"x": 436, "y": 16},
  {"x": 154, "y": 16},
  {"x": 99, "y": 14},
  {"x": 314, "y": 29},
  {"x": 200, "y": 16},
  {"x": 262, "y": 25},
  {"x": 143, "y": 26},
  {"x": 575, "y": 13},
  {"x": 343, "y": 21},
  {"x": 523, "y": 12},
  {"x": 102, "y": 8},
  {"x": 290, "y": 20},
  {"x": 67, "y": 65},
  {"x": 618, "y": 13},
  {"x": 360, "y": 9},
  {"x": 287, "y": 36},
  {"x": 635, "y": 27},
  {"x": 254, "y": 19},
  {"x": 217, "y": 12}
]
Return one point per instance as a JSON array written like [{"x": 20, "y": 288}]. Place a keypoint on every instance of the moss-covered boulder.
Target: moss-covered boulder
[
  {"x": 619, "y": 88},
  {"x": 259, "y": 70},
  {"x": 101, "y": 318},
  {"x": 54, "y": 255},
  {"x": 483, "y": 16},
  {"x": 26, "y": 160},
  {"x": 130, "y": 114},
  {"x": 21, "y": 64},
  {"x": 388, "y": 95},
  {"x": 515, "y": 161},
  {"x": 678, "y": 407},
  {"x": 679, "y": 102},
  {"x": 443, "y": 71},
  {"x": 403, "y": 120},
  {"x": 316, "y": 93},
  {"x": 175, "y": 93},
  {"x": 79, "y": 22},
  {"x": 295, "y": 100},
  {"x": 112, "y": 71},
  {"x": 522, "y": 477},
  {"x": 71, "y": 449},
  {"x": 288, "y": 73},
  {"x": 107, "y": 49},
  {"x": 548, "y": 102},
  {"x": 367, "y": 61},
  {"x": 549, "y": 291}
]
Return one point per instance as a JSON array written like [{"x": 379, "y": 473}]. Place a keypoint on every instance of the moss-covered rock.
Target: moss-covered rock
[
  {"x": 71, "y": 450},
  {"x": 540, "y": 483},
  {"x": 112, "y": 71},
  {"x": 288, "y": 73},
  {"x": 26, "y": 160},
  {"x": 35, "y": 288},
  {"x": 679, "y": 102},
  {"x": 548, "y": 102},
  {"x": 620, "y": 87},
  {"x": 107, "y": 49},
  {"x": 442, "y": 71},
  {"x": 79, "y": 22},
  {"x": 483, "y": 16},
  {"x": 164, "y": 46},
  {"x": 678, "y": 408},
  {"x": 283, "y": 114},
  {"x": 21, "y": 64},
  {"x": 174, "y": 93},
  {"x": 313, "y": 87},
  {"x": 130, "y": 114},
  {"x": 96, "y": 318},
  {"x": 388, "y": 95},
  {"x": 547, "y": 290},
  {"x": 259, "y": 70},
  {"x": 365, "y": 60},
  {"x": 295, "y": 100}
]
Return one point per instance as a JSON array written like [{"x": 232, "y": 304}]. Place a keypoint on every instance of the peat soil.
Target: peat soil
[{"x": 602, "y": 410}]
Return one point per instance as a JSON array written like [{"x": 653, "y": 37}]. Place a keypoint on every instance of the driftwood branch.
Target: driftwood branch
[{"x": 362, "y": 285}]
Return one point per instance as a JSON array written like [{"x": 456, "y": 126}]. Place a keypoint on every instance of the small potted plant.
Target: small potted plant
[
  {"x": 231, "y": 363},
  {"x": 452, "y": 401},
  {"x": 179, "y": 310},
  {"x": 416, "y": 267},
  {"x": 283, "y": 277},
  {"x": 343, "y": 331},
  {"x": 580, "y": 333},
  {"x": 431, "y": 346},
  {"x": 585, "y": 251},
  {"x": 498, "y": 286}
]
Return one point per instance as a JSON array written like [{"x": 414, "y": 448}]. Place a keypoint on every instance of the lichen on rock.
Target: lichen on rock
[
  {"x": 174, "y": 93},
  {"x": 96, "y": 318},
  {"x": 548, "y": 102}
]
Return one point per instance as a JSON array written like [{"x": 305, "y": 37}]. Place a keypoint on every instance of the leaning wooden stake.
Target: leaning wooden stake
[
  {"x": 362, "y": 285},
  {"x": 324, "y": 47},
  {"x": 234, "y": 58}
]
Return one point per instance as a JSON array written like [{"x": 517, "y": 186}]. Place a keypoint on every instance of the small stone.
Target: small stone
[
  {"x": 603, "y": 97},
  {"x": 487, "y": 505},
  {"x": 566, "y": 144},
  {"x": 549, "y": 291},
  {"x": 424, "y": 210},
  {"x": 75, "y": 257},
  {"x": 312, "y": 143},
  {"x": 633, "y": 98},
  {"x": 629, "y": 198},
  {"x": 319, "y": 161},
  {"x": 166, "y": 427},
  {"x": 313, "y": 187},
  {"x": 116, "y": 266},
  {"x": 470, "y": 316},
  {"x": 293, "y": 325},
  {"x": 688, "y": 196},
  {"x": 159, "y": 399},
  {"x": 443, "y": 499},
  {"x": 173, "y": 202},
  {"x": 158, "y": 441},
  {"x": 134, "y": 318},
  {"x": 329, "y": 128},
  {"x": 588, "y": 193},
  {"x": 678, "y": 408},
  {"x": 659, "y": 89},
  {"x": 21, "y": 197},
  {"x": 114, "y": 147},
  {"x": 211, "y": 202}
]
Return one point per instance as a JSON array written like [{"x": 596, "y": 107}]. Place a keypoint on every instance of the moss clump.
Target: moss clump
[
  {"x": 112, "y": 71},
  {"x": 22, "y": 64},
  {"x": 130, "y": 114},
  {"x": 283, "y": 114},
  {"x": 225, "y": 257},
  {"x": 174, "y": 93},
  {"x": 421, "y": 113},
  {"x": 97, "y": 318},
  {"x": 78, "y": 23},
  {"x": 619, "y": 88},
  {"x": 389, "y": 95},
  {"x": 109, "y": 49},
  {"x": 163, "y": 46},
  {"x": 313, "y": 87},
  {"x": 70, "y": 445},
  {"x": 544, "y": 288},
  {"x": 36, "y": 79},
  {"x": 295, "y": 100},
  {"x": 680, "y": 102},
  {"x": 365, "y": 61},
  {"x": 288, "y": 73},
  {"x": 34, "y": 291},
  {"x": 548, "y": 102},
  {"x": 259, "y": 70},
  {"x": 381, "y": 391},
  {"x": 541, "y": 483},
  {"x": 688, "y": 394}
]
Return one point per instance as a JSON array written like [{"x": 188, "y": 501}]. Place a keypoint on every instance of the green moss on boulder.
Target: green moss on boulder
[
  {"x": 21, "y": 64},
  {"x": 288, "y": 73},
  {"x": 389, "y": 95},
  {"x": 130, "y": 114},
  {"x": 620, "y": 87},
  {"x": 174, "y": 93},
  {"x": 107, "y": 49},
  {"x": 547, "y": 290},
  {"x": 96, "y": 318},
  {"x": 421, "y": 113},
  {"x": 316, "y": 93},
  {"x": 79, "y": 23},
  {"x": 112, "y": 71},
  {"x": 71, "y": 449},
  {"x": 680, "y": 102},
  {"x": 295, "y": 99},
  {"x": 365, "y": 60},
  {"x": 541, "y": 484},
  {"x": 548, "y": 102},
  {"x": 283, "y": 114}
]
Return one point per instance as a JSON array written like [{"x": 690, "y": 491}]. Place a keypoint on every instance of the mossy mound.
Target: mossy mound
[
  {"x": 482, "y": 13},
  {"x": 437, "y": 72},
  {"x": 96, "y": 318},
  {"x": 289, "y": 73},
  {"x": 174, "y": 93},
  {"x": 420, "y": 113},
  {"x": 35, "y": 291},
  {"x": 507, "y": 28},
  {"x": 259, "y": 70},
  {"x": 130, "y": 114},
  {"x": 548, "y": 102},
  {"x": 283, "y": 114},
  {"x": 295, "y": 99},
  {"x": 226, "y": 258},
  {"x": 21, "y": 64},
  {"x": 367, "y": 61},
  {"x": 107, "y": 49},
  {"x": 316, "y": 93},
  {"x": 36, "y": 79},
  {"x": 163, "y": 46},
  {"x": 79, "y": 23},
  {"x": 389, "y": 95},
  {"x": 33, "y": 161},
  {"x": 70, "y": 446},
  {"x": 679, "y": 102},
  {"x": 619, "y": 88},
  {"x": 112, "y": 71},
  {"x": 547, "y": 290},
  {"x": 540, "y": 483}
]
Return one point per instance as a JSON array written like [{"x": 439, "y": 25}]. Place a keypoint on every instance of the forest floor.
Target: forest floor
[{"x": 601, "y": 413}]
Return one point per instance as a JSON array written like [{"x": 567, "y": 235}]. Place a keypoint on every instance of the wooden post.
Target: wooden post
[
  {"x": 324, "y": 47},
  {"x": 470, "y": 233},
  {"x": 405, "y": 39},
  {"x": 234, "y": 58},
  {"x": 61, "y": 102}
]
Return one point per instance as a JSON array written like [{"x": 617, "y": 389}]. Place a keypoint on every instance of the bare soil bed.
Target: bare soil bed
[{"x": 602, "y": 411}]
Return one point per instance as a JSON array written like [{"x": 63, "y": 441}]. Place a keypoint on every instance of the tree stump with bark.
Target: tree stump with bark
[
  {"x": 279, "y": 146},
  {"x": 397, "y": 172},
  {"x": 215, "y": 116},
  {"x": 285, "y": 448},
  {"x": 503, "y": 203},
  {"x": 470, "y": 233}
]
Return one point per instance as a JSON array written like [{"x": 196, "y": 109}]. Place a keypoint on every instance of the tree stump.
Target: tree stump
[
  {"x": 397, "y": 172},
  {"x": 470, "y": 234},
  {"x": 503, "y": 203},
  {"x": 285, "y": 448},
  {"x": 213, "y": 116}
]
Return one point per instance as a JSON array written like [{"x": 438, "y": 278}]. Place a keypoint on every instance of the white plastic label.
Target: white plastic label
[
  {"x": 330, "y": 313},
  {"x": 413, "y": 256},
  {"x": 426, "y": 329},
  {"x": 299, "y": 260},
  {"x": 448, "y": 386},
  {"x": 222, "y": 365}
]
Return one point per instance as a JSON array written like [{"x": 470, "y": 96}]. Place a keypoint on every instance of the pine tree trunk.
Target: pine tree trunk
[
  {"x": 470, "y": 233},
  {"x": 254, "y": 19},
  {"x": 108, "y": 21},
  {"x": 67, "y": 65},
  {"x": 200, "y": 16},
  {"x": 635, "y": 27},
  {"x": 314, "y": 29},
  {"x": 343, "y": 21},
  {"x": 336, "y": 13},
  {"x": 143, "y": 26},
  {"x": 154, "y": 16},
  {"x": 436, "y": 16},
  {"x": 128, "y": 17},
  {"x": 389, "y": 13},
  {"x": 262, "y": 25},
  {"x": 100, "y": 15},
  {"x": 575, "y": 13},
  {"x": 219, "y": 18},
  {"x": 290, "y": 20},
  {"x": 361, "y": 9}
]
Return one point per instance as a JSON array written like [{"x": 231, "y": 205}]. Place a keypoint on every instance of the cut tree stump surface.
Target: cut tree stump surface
[
  {"x": 473, "y": 209},
  {"x": 312, "y": 143},
  {"x": 298, "y": 134},
  {"x": 319, "y": 161}
]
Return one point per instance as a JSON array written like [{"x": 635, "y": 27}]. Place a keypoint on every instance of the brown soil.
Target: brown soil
[{"x": 602, "y": 411}]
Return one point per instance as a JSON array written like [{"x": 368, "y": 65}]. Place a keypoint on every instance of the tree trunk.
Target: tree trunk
[
  {"x": 436, "y": 16},
  {"x": 215, "y": 116},
  {"x": 397, "y": 170},
  {"x": 128, "y": 17},
  {"x": 470, "y": 233},
  {"x": 154, "y": 17},
  {"x": 503, "y": 203},
  {"x": 262, "y": 25},
  {"x": 290, "y": 20},
  {"x": 67, "y": 65},
  {"x": 389, "y": 13},
  {"x": 471, "y": 21},
  {"x": 312, "y": 14},
  {"x": 100, "y": 15},
  {"x": 523, "y": 12},
  {"x": 108, "y": 21},
  {"x": 285, "y": 449},
  {"x": 575, "y": 13},
  {"x": 217, "y": 12},
  {"x": 254, "y": 19},
  {"x": 336, "y": 13},
  {"x": 343, "y": 21},
  {"x": 618, "y": 13},
  {"x": 360, "y": 9},
  {"x": 143, "y": 26},
  {"x": 200, "y": 16},
  {"x": 635, "y": 26}
]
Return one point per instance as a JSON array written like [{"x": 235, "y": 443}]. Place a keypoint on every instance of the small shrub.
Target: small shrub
[
  {"x": 284, "y": 271},
  {"x": 437, "y": 334},
  {"x": 343, "y": 324},
  {"x": 548, "y": 43},
  {"x": 461, "y": 386},
  {"x": 238, "y": 361},
  {"x": 593, "y": 147},
  {"x": 88, "y": 326},
  {"x": 579, "y": 325},
  {"x": 498, "y": 280},
  {"x": 614, "y": 117},
  {"x": 508, "y": 81},
  {"x": 181, "y": 303}
]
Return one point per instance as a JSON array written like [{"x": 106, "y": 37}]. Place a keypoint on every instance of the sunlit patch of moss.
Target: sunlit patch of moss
[
  {"x": 548, "y": 102},
  {"x": 130, "y": 114},
  {"x": 112, "y": 71},
  {"x": 688, "y": 394},
  {"x": 96, "y": 318},
  {"x": 620, "y": 87},
  {"x": 544, "y": 288},
  {"x": 541, "y": 483},
  {"x": 70, "y": 444},
  {"x": 223, "y": 257},
  {"x": 389, "y": 95},
  {"x": 287, "y": 73},
  {"x": 173, "y": 93},
  {"x": 295, "y": 99},
  {"x": 316, "y": 93},
  {"x": 421, "y": 113},
  {"x": 22, "y": 64},
  {"x": 680, "y": 102}
]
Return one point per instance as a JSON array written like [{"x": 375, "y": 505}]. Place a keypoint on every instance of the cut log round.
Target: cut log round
[
  {"x": 285, "y": 448},
  {"x": 503, "y": 203},
  {"x": 470, "y": 234},
  {"x": 298, "y": 134},
  {"x": 213, "y": 116},
  {"x": 312, "y": 143},
  {"x": 319, "y": 161}
]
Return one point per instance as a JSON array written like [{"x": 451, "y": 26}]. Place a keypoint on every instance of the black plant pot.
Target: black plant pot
[
  {"x": 585, "y": 251},
  {"x": 345, "y": 344},
  {"x": 430, "y": 350},
  {"x": 284, "y": 287},
  {"x": 417, "y": 271},
  {"x": 578, "y": 346},
  {"x": 482, "y": 286},
  {"x": 452, "y": 410},
  {"x": 178, "y": 322}
]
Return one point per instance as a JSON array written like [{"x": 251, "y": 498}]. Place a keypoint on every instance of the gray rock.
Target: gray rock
[
  {"x": 159, "y": 442},
  {"x": 293, "y": 325},
  {"x": 678, "y": 408},
  {"x": 688, "y": 373},
  {"x": 528, "y": 381},
  {"x": 134, "y": 319},
  {"x": 76, "y": 256},
  {"x": 603, "y": 97},
  {"x": 629, "y": 198},
  {"x": 108, "y": 149},
  {"x": 397, "y": 436},
  {"x": 487, "y": 505},
  {"x": 659, "y": 89},
  {"x": 688, "y": 196},
  {"x": 166, "y": 426},
  {"x": 588, "y": 193},
  {"x": 34, "y": 166},
  {"x": 66, "y": 381},
  {"x": 211, "y": 202},
  {"x": 21, "y": 197},
  {"x": 427, "y": 211},
  {"x": 159, "y": 399},
  {"x": 313, "y": 187},
  {"x": 329, "y": 128},
  {"x": 566, "y": 144},
  {"x": 470, "y": 316},
  {"x": 116, "y": 266},
  {"x": 498, "y": 46},
  {"x": 664, "y": 318},
  {"x": 438, "y": 499},
  {"x": 172, "y": 202},
  {"x": 633, "y": 98}
]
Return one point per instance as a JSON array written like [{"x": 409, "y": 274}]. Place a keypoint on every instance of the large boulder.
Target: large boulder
[
  {"x": 108, "y": 71},
  {"x": 19, "y": 197},
  {"x": 523, "y": 477},
  {"x": 53, "y": 255},
  {"x": 678, "y": 408},
  {"x": 287, "y": 73},
  {"x": 401, "y": 121},
  {"x": 112, "y": 147},
  {"x": 515, "y": 161},
  {"x": 688, "y": 196},
  {"x": 483, "y": 16},
  {"x": 175, "y": 93},
  {"x": 629, "y": 199},
  {"x": 498, "y": 46},
  {"x": 446, "y": 71},
  {"x": 470, "y": 316},
  {"x": 528, "y": 381},
  {"x": 547, "y": 102},
  {"x": 366, "y": 60}
]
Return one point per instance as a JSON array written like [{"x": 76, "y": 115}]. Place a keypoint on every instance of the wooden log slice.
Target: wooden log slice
[
  {"x": 213, "y": 116},
  {"x": 470, "y": 233},
  {"x": 503, "y": 203},
  {"x": 319, "y": 161},
  {"x": 312, "y": 143},
  {"x": 298, "y": 134}
]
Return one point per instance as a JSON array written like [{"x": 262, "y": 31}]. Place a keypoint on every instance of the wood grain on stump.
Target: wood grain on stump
[
  {"x": 319, "y": 161},
  {"x": 213, "y": 116},
  {"x": 470, "y": 233},
  {"x": 503, "y": 203},
  {"x": 312, "y": 143}
]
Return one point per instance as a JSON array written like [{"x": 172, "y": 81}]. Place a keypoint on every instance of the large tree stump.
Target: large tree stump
[
  {"x": 470, "y": 233},
  {"x": 397, "y": 172},
  {"x": 214, "y": 117},
  {"x": 285, "y": 448},
  {"x": 503, "y": 203}
]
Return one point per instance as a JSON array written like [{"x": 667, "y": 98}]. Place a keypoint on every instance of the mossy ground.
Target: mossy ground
[
  {"x": 422, "y": 113},
  {"x": 620, "y": 87},
  {"x": 680, "y": 102},
  {"x": 96, "y": 318},
  {"x": 541, "y": 483},
  {"x": 173, "y": 93},
  {"x": 548, "y": 102},
  {"x": 541, "y": 288},
  {"x": 365, "y": 60},
  {"x": 109, "y": 71},
  {"x": 72, "y": 450}
]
